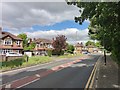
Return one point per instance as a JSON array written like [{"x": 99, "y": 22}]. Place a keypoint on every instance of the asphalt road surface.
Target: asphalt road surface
[{"x": 75, "y": 75}]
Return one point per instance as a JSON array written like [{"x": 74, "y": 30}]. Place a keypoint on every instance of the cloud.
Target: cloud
[
  {"x": 88, "y": 21},
  {"x": 26, "y": 14},
  {"x": 73, "y": 35}
]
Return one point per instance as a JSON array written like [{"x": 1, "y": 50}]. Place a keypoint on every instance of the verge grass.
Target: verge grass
[{"x": 22, "y": 62}]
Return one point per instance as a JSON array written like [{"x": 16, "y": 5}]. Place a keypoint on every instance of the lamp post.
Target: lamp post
[{"x": 104, "y": 49}]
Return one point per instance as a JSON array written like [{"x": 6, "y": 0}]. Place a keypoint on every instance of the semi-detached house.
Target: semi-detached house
[
  {"x": 42, "y": 45},
  {"x": 10, "y": 43}
]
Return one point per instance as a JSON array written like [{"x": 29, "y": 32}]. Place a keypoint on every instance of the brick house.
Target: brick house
[
  {"x": 78, "y": 48},
  {"x": 42, "y": 45},
  {"x": 10, "y": 43},
  {"x": 91, "y": 48}
]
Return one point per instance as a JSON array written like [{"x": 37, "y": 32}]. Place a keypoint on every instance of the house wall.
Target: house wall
[
  {"x": 90, "y": 50},
  {"x": 10, "y": 48},
  {"x": 78, "y": 50}
]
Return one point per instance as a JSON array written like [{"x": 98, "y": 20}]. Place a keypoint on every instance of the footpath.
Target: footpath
[{"x": 107, "y": 76}]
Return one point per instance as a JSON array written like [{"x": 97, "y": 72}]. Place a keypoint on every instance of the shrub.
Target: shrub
[
  {"x": 57, "y": 52},
  {"x": 49, "y": 53},
  {"x": 69, "y": 51},
  {"x": 13, "y": 63}
]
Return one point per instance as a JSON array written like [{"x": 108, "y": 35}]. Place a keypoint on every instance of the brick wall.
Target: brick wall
[{"x": 4, "y": 58}]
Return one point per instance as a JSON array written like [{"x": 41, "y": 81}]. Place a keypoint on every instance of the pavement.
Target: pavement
[{"x": 107, "y": 76}]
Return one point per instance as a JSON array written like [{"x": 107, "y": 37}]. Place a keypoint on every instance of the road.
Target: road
[{"x": 69, "y": 73}]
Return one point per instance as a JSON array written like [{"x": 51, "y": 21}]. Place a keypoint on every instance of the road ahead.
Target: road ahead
[{"x": 72, "y": 73}]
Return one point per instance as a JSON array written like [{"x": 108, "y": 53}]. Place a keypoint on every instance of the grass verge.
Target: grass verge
[{"x": 21, "y": 62}]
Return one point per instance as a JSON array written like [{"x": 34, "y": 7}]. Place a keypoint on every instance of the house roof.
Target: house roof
[
  {"x": 79, "y": 45},
  {"x": 90, "y": 46},
  {"x": 5, "y": 34},
  {"x": 42, "y": 40}
]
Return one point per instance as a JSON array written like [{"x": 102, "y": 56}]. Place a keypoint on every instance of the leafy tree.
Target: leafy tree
[
  {"x": 70, "y": 48},
  {"x": 90, "y": 43},
  {"x": 97, "y": 44},
  {"x": 25, "y": 39},
  {"x": 59, "y": 43},
  {"x": 26, "y": 45},
  {"x": 104, "y": 23}
]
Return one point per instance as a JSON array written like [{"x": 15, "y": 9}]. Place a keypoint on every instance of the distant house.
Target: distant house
[
  {"x": 91, "y": 48},
  {"x": 78, "y": 48},
  {"x": 42, "y": 45},
  {"x": 10, "y": 43}
]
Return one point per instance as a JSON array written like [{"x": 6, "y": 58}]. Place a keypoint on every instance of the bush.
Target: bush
[
  {"x": 13, "y": 63},
  {"x": 26, "y": 57},
  {"x": 49, "y": 53},
  {"x": 57, "y": 52},
  {"x": 69, "y": 51}
]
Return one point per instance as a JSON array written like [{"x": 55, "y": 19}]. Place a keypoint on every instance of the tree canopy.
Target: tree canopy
[
  {"x": 26, "y": 45},
  {"x": 90, "y": 43},
  {"x": 104, "y": 25},
  {"x": 59, "y": 43},
  {"x": 70, "y": 48}
]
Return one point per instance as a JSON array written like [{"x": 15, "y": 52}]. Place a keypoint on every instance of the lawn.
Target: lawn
[{"x": 21, "y": 62}]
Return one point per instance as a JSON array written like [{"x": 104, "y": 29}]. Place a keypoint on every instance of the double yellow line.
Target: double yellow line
[{"x": 91, "y": 79}]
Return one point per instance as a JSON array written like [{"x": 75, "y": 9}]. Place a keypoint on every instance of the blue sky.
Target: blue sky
[
  {"x": 62, "y": 25},
  {"x": 44, "y": 20}
]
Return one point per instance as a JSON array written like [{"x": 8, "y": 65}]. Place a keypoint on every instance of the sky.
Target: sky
[{"x": 43, "y": 20}]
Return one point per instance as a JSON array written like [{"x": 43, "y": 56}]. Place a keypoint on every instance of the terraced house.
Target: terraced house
[{"x": 10, "y": 43}]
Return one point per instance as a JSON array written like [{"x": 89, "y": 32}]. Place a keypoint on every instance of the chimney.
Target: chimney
[
  {"x": 34, "y": 39},
  {"x": 30, "y": 40}
]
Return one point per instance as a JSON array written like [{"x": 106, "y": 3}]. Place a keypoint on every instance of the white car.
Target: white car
[{"x": 13, "y": 54}]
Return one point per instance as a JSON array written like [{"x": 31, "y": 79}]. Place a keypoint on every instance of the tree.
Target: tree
[
  {"x": 104, "y": 23},
  {"x": 90, "y": 43},
  {"x": 97, "y": 44},
  {"x": 59, "y": 43},
  {"x": 70, "y": 48},
  {"x": 26, "y": 45}
]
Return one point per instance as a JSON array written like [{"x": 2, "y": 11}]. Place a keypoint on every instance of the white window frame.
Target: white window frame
[
  {"x": 7, "y": 42},
  {"x": 18, "y": 42}
]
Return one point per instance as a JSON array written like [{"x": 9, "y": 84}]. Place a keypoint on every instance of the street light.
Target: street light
[{"x": 104, "y": 49}]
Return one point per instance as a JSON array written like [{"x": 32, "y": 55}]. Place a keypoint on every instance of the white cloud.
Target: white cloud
[
  {"x": 88, "y": 21},
  {"x": 26, "y": 14},
  {"x": 73, "y": 35}
]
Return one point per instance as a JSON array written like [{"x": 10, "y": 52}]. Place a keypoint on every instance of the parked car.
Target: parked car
[
  {"x": 85, "y": 52},
  {"x": 13, "y": 54}
]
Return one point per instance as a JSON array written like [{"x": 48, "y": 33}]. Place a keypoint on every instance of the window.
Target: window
[
  {"x": 18, "y": 51},
  {"x": 18, "y": 42},
  {"x": 6, "y": 51},
  {"x": 0, "y": 51},
  {"x": 37, "y": 45},
  {"x": 8, "y": 42}
]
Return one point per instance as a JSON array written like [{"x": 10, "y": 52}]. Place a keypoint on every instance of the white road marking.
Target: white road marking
[
  {"x": 78, "y": 65},
  {"x": 104, "y": 76},
  {"x": 28, "y": 83},
  {"x": 37, "y": 75},
  {"x": 116, "y": 86},
  {"x": 8, "y": 86}
]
